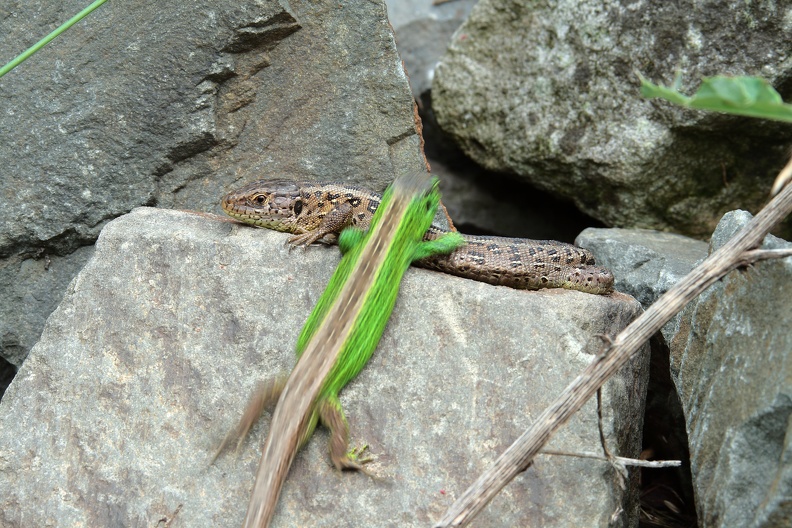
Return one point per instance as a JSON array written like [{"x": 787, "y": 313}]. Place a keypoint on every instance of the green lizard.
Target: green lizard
[{"x": 341, "y": 334}]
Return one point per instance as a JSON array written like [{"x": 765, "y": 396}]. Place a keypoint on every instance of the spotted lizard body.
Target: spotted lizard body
[{"x": 318, "y": 212}]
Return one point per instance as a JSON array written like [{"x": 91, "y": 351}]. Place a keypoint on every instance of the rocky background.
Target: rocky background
[
  {"x": 546, "y": 93},
  {"x": 532, "y": 121}
]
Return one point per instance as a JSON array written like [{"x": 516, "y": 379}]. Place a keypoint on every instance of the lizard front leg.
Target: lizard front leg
[
  {"x": 331, "y": 225},
  {"x": 332, "y": 417}
]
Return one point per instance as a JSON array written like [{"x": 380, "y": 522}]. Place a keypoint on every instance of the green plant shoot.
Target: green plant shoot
[
  {"x": 747, "y": 96},
  {"x": 46, "y": 40},
  {"x": 382, "y": 296}
]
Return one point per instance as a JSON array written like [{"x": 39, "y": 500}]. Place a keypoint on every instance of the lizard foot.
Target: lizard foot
[
  {"x": 304, "y": 240},
  {"x": 353, "y": 460}
]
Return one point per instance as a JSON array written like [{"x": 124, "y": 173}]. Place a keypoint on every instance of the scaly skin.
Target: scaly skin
[
  {"x": 341, "y": 334},
  {"x": 319, "y": 211}
]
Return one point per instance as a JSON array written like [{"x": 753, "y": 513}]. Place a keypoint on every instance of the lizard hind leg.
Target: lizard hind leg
[{"x": 332, "y": 417}]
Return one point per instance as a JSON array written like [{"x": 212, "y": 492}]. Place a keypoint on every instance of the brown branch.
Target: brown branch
[
  {"x": 601, "y": 427},
  {"x": 520, "y": 454},
  {"x": 754, "y": 255}
]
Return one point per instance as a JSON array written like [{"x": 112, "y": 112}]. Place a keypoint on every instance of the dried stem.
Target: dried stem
[{"x": 620, "y": 460}]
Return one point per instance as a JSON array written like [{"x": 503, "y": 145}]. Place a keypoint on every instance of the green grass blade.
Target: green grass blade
[{"x": 46, "y": 40}]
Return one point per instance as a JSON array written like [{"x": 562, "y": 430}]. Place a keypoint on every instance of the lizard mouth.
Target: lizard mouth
[
  {"x": 252, "y": 215},
  {"x": 262, "y": 209}
]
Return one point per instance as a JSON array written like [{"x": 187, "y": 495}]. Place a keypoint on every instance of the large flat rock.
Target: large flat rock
[{"x": 160, "y": 339}]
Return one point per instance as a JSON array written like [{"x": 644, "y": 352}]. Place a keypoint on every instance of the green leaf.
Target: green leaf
[{"x": 748, "y": 96}]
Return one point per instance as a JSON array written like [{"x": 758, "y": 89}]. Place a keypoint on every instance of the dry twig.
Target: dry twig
[{"x": 620, "y": 460}]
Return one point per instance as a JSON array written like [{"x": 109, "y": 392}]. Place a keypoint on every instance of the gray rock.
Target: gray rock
[
  {"x": 732, "y": 364},
  {"x": 210, "y": 95},
  {"x": 159, "y": 340},
  {"x": 645, "y": 263},
  {"x": 31, "y": 291},
  {"x": 547, "y": 91}
]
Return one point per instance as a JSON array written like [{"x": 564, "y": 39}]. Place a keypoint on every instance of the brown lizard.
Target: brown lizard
[{"x": 320, "y": 211}]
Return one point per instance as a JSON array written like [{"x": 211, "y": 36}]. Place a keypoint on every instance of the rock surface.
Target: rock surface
[
  {"x": 547, "y": 91},
  {"x": 159, "y": 340},
  {"x": 210, "y": 95},
  {"x": 732, "y": 364},
  {"x": 645, "y": 263}
]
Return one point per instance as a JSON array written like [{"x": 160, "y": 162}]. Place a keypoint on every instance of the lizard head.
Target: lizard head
[{"x": 274, "y": 204}]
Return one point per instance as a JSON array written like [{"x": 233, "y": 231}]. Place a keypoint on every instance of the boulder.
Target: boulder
[
  {"x": 160, "y": 339},
  {"x": 548, "y": 92}
]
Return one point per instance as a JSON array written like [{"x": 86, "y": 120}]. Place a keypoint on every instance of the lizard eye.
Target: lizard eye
[
  {"x": 298, "y": 207},
  {"x": 259, "y": 199}
]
